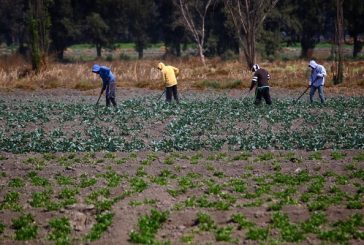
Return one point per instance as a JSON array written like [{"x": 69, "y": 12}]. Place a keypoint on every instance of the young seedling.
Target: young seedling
[
  {"x": 148, "y": 227},
  {"x": 103, "y": 221},
  {"x": 25, "y": 227},
  {"x": 60, "y": 230}
]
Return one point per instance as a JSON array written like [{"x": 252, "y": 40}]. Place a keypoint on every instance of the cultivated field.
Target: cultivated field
[{"x": 213, "y": 169}]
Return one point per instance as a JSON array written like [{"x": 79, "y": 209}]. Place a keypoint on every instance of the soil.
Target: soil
[
  {"x": 181, "y": 221},
  {"x": 210, "y": 167}
]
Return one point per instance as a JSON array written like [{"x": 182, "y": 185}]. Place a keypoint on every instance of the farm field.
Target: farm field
[{"x": 213, "y": 169}]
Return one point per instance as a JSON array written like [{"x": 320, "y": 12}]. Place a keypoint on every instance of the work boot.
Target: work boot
[{"x": 113, "y": 101}]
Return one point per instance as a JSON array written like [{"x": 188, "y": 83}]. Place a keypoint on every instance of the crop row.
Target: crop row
[
  {"x": 211, "y": 124},
  {"x": 58, "y": 186}
]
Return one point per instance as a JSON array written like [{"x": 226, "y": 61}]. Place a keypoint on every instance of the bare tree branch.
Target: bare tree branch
[
  {"x": 247, "y": 16},
  {"x": 194, "y": 14}
]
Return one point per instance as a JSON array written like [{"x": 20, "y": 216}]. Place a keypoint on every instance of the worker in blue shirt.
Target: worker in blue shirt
[{"x": 108, "y": 83}]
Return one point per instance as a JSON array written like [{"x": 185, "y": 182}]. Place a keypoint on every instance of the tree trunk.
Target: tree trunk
[
  {"x": 98, "y": 50},
  {"x": 140, "y": 54},
  {"x": 339, "y": 38},
  {"x": 60, "y": 54},
  {"x": 306, "y": 49},
  {"x": 202, "y": 56},
  {"x": 358, "y": 45},
  {"x": 35, "y": 51},
  {"x": 251, "y": 47},
  {"x": 178, "y": 49},
  {"x": 34, "y": 44},
  {"x": 140, "y": 49},
  {"x": 38, "y": 23}
]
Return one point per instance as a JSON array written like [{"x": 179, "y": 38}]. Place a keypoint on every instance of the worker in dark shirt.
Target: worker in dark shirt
[{"x": 260, "y": 80}]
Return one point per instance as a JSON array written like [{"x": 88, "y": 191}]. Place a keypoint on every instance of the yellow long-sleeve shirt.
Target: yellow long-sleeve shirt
[{"x": 169, "y": 74}]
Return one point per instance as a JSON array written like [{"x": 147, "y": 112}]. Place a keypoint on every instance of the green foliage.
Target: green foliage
[
  {"x": 224, "y": 234},
  {"x": 25, "y": 227},
  {"x": 138, "y": 184},
  {"x": 2, "y": 228},
  {"x": 266, "y": 156},
  {"x": 68, "y": 196},
  {"x": 242, "y": 156},
  {"x": 60, "y": 231},
  {"x": 313, "y": 224},
  {"x": 257, "y": 234},
  {"x": 11, "y": 201},
  {"x": 86, "y": 181},
  {"x": 148, "y": 227},
  {"x": 37, "y": 180},
  {"x": 315, "y": 156},
  {"x": 238, "y": 185},
  {"x": 343, "y": 231},
  {"x": 16, "y": 182},
  {"x": 359, "y": 157},
  {"x": 205, "y": 222},
  {"x": 337, "y": 155},
  {"x": 242, "y": 221},
  {"x": 112, "y": 178},
  {"x": 40, "y": 199},
  {"x": 103, "y": 221},
  {"x": 64, "y": 180},
  {"x": 289, "y": 232},
  {"x": 191, "y": 119},
  {"x": 144, "y": 202}
]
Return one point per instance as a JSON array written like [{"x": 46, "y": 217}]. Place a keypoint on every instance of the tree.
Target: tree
[
  {"x": 311, "y": 15},
  {"x": 39, "y": 24},
  {"x": 194, "y": 13},
  {"x": 280, "y": 26},
  {"x": 171, "y": 31},
  {"x": 221, "y": 40},
  {"x": 247, "y": 17},
  {"x": 96, "y": 30},
  {"x": 64, "y": 29},
  {"x": 339, "y": 40},
  {"x": 354, "y": 16},
  {"x": 141, "y": 18},
  {"x": 13, "y": 22}
]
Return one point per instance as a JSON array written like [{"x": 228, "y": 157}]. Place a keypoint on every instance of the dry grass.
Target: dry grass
[{"x": 15, "y": 73}]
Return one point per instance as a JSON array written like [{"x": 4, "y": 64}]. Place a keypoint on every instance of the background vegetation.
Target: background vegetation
[{"x": 110, "y": 31}]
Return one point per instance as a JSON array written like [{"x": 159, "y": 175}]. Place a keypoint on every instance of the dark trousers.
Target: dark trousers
[
  {"x": 110, "y": 94},
  {"x": 262, "y": 93},
  {"x": 320, "y": 92},
  {"x": 170, "y": 91}
]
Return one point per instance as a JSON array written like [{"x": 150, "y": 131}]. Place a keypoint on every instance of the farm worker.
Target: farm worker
[
  {"x": 108, "y": 83},
  {"x": 169, "y": 74},
  {"x": 260, "y": 79},
  {"x": 317, "y": 80}
]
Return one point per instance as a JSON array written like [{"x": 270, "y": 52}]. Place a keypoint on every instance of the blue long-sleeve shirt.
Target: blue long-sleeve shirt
[{"x": 106, "y": 75}]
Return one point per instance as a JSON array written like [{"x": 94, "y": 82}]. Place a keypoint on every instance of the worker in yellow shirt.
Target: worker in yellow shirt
[{"x": 170, "y": 81}]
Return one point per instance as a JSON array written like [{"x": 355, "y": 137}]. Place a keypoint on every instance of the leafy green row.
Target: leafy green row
[{"x": 194, "y": 124}]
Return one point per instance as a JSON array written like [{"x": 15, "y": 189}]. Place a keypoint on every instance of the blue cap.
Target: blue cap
[{"x": 95, "y": 68}]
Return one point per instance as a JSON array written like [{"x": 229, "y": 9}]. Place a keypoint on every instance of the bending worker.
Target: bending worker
[
  {"x": 317, "y": 80},
  {"x": 108, "y": 83},
  {"x": 260, "y": 79},
  {"x": 169, "y": 74}
]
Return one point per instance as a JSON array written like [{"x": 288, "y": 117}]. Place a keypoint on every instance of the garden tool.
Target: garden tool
[
  {"x": 97, "y": 103},
  {"x": 246, "y": 94},
  {"x": 301, "y": 95},
  {"x": 162, "y": 94}
]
